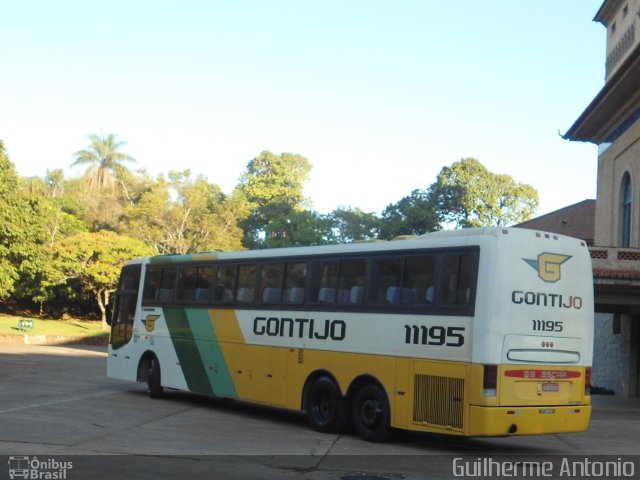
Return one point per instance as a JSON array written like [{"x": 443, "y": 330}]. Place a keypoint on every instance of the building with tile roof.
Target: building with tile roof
[{"x": 612, "y": 121}]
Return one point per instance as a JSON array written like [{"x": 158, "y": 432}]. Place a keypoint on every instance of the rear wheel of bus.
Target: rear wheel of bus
[
  {"x": 327, "y": 409},
  {"x": 371, "y": 413}
]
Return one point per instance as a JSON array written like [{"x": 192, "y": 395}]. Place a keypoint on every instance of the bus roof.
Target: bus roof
[{"x": 445, "y": 238}]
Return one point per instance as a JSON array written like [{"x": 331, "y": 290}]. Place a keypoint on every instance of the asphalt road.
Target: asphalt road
[{"x": 58, "y": 406}]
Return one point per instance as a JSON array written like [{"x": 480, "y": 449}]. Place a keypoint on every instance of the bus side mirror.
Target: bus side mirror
[{"x": 109, "y": 316}]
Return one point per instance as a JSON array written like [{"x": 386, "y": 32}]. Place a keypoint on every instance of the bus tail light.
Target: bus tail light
[
  {"x": 490, "y": 380},
  {"x": 587, "y": 381}
]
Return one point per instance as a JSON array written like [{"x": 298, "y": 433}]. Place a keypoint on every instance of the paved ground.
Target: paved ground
[{"x": 57, "y": 405}]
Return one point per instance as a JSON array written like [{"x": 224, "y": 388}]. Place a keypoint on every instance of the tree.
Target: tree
[
  {"x": 271, "y": 187},
  {"x": 412, "y": 215},
  {"x": 290, "y": 227},
  {"x": 22, "y": 227},
  {"x": 469, "y": 195},
  {"x": 200, "y": 218},
  {"x": 105, "y": 162},
  {"x": 106, "y": 181},
  {"x": 351, "y": 224},
  {"x": 38, "y": 275},
  {"x": 94, "y": 259}
]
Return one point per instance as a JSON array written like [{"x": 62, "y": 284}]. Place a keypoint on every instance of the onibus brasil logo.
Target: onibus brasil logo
[
  {"x": 34, "y": 468},
  {"x": 548, "y": 265}
]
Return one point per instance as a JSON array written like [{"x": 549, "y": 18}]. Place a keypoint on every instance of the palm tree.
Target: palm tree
[{"x": 104, "y": 160}]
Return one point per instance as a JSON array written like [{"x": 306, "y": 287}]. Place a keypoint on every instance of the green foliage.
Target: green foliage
[
  {"x": 184, "y": 215},
  {"x": 271, "y": 189},
  {"x": 467, "y": 194},
  {"x": 94, "y": 259},
  {"x": 22, "y": 227},
  {"x": 411, "y": 215},
  {"x": 350, "y": 225},
  {"x": 105, "y": 162},
  {"x": 105, "y": 179},
  {"x": 295, "y": 228},
  {"x": 56, "y": 252},
  {"x": 276, "y": 179}
]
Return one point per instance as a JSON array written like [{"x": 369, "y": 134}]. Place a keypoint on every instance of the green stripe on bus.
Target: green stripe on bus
[
  {"x": 183, "y": 340},
  {"x": 210, "y": 353}
]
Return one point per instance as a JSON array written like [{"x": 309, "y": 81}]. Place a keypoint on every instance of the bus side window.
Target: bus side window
[
  {"x": 294, "y": 283},
  {"x": 167, "y": 290},
  {"x": 325, "y": 279},
  {"x": 225, "y": 283},
  {"x": 353, "y": 274},
  {"x": 186, "y": 290},
  {"x": 246, "y": 289},
  {"x": 271, "y": 278},
  {"x": 419, "y": 280},
  {"x": 151, "y": 283},
  {"x": 204, "y": 281},
  {"x": 456, "y": 280},
  {"x": 387, "y": 280},
  {"x": 466, "y": 275}
]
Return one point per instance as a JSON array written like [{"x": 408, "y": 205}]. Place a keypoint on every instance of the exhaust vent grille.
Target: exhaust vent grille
[{"x": 439, "y": 401}]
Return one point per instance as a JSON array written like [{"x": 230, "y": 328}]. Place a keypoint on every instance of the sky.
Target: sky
[{"x": 378, "y": 95}]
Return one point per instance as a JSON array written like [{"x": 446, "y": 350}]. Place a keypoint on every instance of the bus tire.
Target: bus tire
[
  {"x": 154, "y": 384},
  {"x": 371, "y": 414},
  {"x": 327, "y": 409}
]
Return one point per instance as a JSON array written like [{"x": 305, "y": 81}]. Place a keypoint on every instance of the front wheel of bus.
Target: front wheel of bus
[
  {"x": 153, "y": 380},
  {"x": 327, "y": 409},
  {"x": 371, "y": 414}
]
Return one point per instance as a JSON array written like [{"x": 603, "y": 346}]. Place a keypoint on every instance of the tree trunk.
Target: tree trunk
[{"x": 103, "y": 310}]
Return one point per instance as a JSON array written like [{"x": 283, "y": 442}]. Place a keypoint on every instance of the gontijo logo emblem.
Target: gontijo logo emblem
[
  {"x": 150, "y": 322},
  {"x": 548, "y": 265}
]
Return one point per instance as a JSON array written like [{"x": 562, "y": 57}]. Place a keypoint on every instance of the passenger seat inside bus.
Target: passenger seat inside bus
[
  {"x": 296, "y": 295},
  {"x": 271, "y": 295}
]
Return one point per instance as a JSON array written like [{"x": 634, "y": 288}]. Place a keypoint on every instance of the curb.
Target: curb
[{"x": 30, "y": 339}]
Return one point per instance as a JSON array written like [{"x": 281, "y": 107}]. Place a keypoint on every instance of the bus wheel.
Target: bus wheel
[
  {"x": 153, "y": 379},
  {"x": 371, "y": 414},
  {"x": 327, "y": 409}
]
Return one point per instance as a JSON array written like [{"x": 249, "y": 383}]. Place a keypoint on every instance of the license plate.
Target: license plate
[{"x": 551, "y": 387}]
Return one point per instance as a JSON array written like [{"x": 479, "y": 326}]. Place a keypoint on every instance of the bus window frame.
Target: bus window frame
[{"x": 368, "y": 305}]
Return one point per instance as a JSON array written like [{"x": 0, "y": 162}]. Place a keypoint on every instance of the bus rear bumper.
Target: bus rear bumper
[{"x": 501, "y": 421}]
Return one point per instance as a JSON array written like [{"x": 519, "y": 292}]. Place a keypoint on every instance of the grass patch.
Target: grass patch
[{"x": 52, "y": 327}]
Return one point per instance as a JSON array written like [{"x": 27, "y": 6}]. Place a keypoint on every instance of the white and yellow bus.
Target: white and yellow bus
[{"x": 474, "y": 332}]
